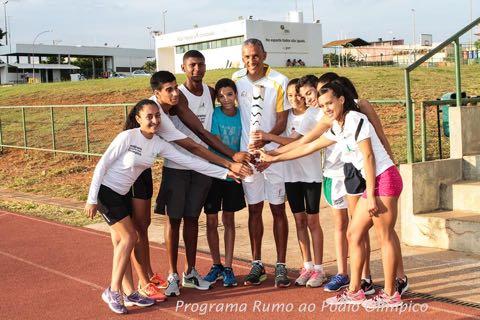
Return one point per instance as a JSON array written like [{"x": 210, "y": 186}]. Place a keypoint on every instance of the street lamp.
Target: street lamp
[
  {"x": 163, "y": 13},
  {"x": 414, "y": 39},
  {"x": 5, "y": 13},
  {"x": 33, "y": 51}
]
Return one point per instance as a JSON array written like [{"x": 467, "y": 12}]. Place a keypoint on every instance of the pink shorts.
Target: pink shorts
[{"x": 388, "y": 184}]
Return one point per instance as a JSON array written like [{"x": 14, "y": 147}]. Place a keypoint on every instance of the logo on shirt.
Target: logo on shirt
[{"x": 135, "y": 149}]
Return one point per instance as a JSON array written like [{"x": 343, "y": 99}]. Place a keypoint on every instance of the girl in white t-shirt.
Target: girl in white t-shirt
[
  {"x": 129, "y": 154},
  {"x": 303, "y": 185},
  {"x": 377, "y": 206}
]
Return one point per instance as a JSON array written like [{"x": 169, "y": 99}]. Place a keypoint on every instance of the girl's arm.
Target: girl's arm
[
  {"x": 367, "y": 109},
  {"x": 265, "y": 136},
  {"x": 365, "y": 147},
  {"x": 166, "y": 150},
  {"x": 116, "y": 148},
  {"x": 307, "y": 149},
  {"x": 322, "y": 126}
]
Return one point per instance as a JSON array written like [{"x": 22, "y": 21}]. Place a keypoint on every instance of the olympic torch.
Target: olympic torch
[{"x": 255, "y": 118}]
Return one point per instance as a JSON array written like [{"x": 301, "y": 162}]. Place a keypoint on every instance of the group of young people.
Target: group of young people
[{"x": 260, "y": 144}]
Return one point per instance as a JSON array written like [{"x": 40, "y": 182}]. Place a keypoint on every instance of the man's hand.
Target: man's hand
[
  {"x": 263, "y": 156},
  {"x": 90, "y": 210},
  {"x": 260, "y": 135},
  {"x": 242, "y": 157},
  {"x": 261, "y": 166},
  {"x": 236, "y": 177},
  {"x": 257, "y": 144},
  {"x": 241, "y": 169}
]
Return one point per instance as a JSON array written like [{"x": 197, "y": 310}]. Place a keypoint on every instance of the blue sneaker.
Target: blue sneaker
[
  {"x": 336, "y": 283},
  {"x": 229, "y": 279},
  {"x": 214, "y": 274},
  {"x": 136, "y": 299},
  {"x": 114, "y": 299}
]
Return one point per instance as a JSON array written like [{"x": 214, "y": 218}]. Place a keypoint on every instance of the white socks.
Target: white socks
[
  {"x": 308, "y": 265},
  {"x": 318, "y": 268}
]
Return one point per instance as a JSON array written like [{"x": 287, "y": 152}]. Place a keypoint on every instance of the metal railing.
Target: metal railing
[
  {"x": 86, "y": 125},
  {"x": 458, "y": 84},
  {"x": 51, "y": 108}
]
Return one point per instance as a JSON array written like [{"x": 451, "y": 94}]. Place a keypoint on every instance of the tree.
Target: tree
[
  {"x": 150, "y": 66},
  {"x": 477, "y": 44}
]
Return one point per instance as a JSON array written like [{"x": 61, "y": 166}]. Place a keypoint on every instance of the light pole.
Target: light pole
[
  {"x": 164, "y": 13},
  {"x": 33, "y": 51},
  {"x": 5, "y": 14},
  {"x": 313, "y": 11},
  {"x": 471, "y": 30},
  {"x": 414, "y": 38},
  {"x": 149, "y": 31}
]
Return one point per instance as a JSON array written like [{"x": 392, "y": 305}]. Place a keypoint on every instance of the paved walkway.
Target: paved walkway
[{"x": 444, "y": 274}]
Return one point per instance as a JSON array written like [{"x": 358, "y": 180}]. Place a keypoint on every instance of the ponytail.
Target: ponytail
[{"x": 131, "y": 121}]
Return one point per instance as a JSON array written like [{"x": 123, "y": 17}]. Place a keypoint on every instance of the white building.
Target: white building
[
  {"x": 23, "y": 59},
  {"x": 221, "y": 44}
]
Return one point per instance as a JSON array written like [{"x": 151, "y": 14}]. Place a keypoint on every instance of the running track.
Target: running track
[{"x": 53, "y": 271}]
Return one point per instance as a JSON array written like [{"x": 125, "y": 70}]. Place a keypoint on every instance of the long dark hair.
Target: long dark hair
[
  {"x": 339, "y": 90},
  {"x": 131, "y": 121}
]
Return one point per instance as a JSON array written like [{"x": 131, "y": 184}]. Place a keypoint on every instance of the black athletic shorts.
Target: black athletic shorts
[
  {"x": 304, "y": 196},
  {"x": 355, "y": 184},
  {"x": 143, "y": 186},
  {"x": 224, "y": 195},
  {"x": 182, "y": 193},
  {"x": 113, "y": 206}
]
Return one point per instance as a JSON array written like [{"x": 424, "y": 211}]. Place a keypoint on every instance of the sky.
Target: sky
[{"x": 125, "y": 22}]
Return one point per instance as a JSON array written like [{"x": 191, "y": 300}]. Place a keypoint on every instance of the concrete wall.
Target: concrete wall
[
  {"x": 464, "y": 131},
  {"x": 214, "y": 58}
]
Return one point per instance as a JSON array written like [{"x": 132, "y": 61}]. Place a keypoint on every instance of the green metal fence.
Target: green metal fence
[
  {"x": 84, "y": 122},
  {"x": 455, "y": 39},
  {"x": 52, "y": 110}
]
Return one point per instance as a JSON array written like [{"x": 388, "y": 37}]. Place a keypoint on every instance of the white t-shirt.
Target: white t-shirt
[
  {"x": 130, "y": 153},
  {"x": 167, "y": 130},
  {"x": 202, "y": 107},
  {"x": 275, "y": 100},
  {"x": 333, "y": 164},
  {"x": 305, "y": 169},
  {"x": 349, "y": 145}
]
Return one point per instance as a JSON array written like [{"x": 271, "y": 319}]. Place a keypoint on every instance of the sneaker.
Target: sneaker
[
  {"x": 316, "y": 280},
  {"x": 214, "y": 274},
  {"x": 383, "y": 301},
  {"x": 173, "y": 289},
  {"x": 303, "y": 277},
  {"x": 114, "y": 299},
  {"x": 152, "y": 291},
  {"x": 256, "y": 276},
  {"x": 401, "y": 285},
  {"x": 229, "y": 279},
  {"x": 336, "y": 283},
  {"x": 136, "y": 299},
  {"x": 281, "y": 278},
  {"x": 367, "y": 287},
  {"x": 347, "y": 297},
  {"x": 159, "y": 281},
  {"x": 194, "y": 280}
]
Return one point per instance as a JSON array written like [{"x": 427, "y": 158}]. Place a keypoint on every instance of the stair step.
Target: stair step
[
  {"x": 471, "y": 167},
  {"x": 454, "y": 230},
  {"x": 466, "y": 196}
]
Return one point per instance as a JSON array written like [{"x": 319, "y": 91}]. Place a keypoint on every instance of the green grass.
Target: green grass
[{"x": 62, "y": 215}]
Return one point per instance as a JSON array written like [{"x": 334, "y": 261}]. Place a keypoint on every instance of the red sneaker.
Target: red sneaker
[
  {"x": 151, "y": 291},
  {"x": 157, "y": 280}
]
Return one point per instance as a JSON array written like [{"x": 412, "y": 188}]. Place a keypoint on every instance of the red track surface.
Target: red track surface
[{"x": 52, "y": 271}]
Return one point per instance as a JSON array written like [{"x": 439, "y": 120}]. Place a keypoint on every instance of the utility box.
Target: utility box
[{"x": 445, "y": 121}]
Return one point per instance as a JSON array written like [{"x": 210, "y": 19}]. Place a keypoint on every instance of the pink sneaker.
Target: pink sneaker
[
  {"x": 316, "y": 279},
  {"x": 383, "y": 301},
  {"x": 304, "y": 276},
  {"x": 347, "y": 297}
]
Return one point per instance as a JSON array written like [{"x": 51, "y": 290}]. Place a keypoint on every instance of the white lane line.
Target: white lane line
[
  {"x": 88, "y": 283},
  {"x": 106, "y": 236},
  {"x": 471, "y": 316}
]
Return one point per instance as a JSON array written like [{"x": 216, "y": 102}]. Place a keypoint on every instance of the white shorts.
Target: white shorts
[
  {"x": 335, "y": 193},
  {"x": 266, "y": 186}
]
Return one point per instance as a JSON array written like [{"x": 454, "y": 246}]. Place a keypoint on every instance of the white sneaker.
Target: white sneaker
[
  {"x": 316, "y": 279},
  {"x": 195, "y": 280},
  {"x": 172, "y": 289}
]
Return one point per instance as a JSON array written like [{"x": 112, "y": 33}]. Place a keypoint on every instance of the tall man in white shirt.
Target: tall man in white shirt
[
  {"x": 181, "y": 192},
  {"x": 268, "y": 185}
]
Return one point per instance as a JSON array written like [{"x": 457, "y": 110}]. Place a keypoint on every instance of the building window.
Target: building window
[{"x": 214, "y": 44}]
